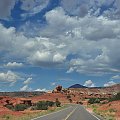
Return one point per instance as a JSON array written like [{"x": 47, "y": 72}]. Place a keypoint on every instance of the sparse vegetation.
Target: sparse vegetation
[
  {"x": 108, "y": 114},
  {"x": 29, "y": 116},
  {"x": 107, "y": 111},
  {"x": 115, "y": 97},
  {"x": 42, "y": 105},
  {"x": 11, "y": 107},
  {"x": 20, "y": 107},
  {"x": 50, "y": 103},
  {"x": 112, "y": 110},
  {"x": 7, "y": 117},
  {"x": 94, "y": 100},
  {"x": 57, "y": 102}
]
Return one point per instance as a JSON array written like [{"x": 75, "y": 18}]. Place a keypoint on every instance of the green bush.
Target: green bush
[
  {"x": 115, "y": 97},
  {"x": 20, "y": 107},
  {"x": 11, "y": 107},
  {"x": 94, "y": 100},
  {"x": 50, "y": 103},
  {"x": 33, "y": 108},
  {"x": 57, "y": 102},
  {"x": 42, "y": 105}
]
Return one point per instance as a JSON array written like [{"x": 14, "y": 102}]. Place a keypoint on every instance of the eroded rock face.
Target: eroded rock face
[
  {"x": 5, "y": 100},
  {"x": 58, "y": 89}
]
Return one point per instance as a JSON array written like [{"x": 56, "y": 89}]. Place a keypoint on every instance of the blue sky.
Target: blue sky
[{"x": 44, "y": 43}]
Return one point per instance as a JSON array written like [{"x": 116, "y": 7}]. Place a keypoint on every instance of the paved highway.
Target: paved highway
[{"x": 75, "y": 112}]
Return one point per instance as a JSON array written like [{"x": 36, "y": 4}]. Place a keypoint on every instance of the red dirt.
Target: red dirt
[
  {"x": 51, "y": 97},
  {"x": 115, "y": 105}
]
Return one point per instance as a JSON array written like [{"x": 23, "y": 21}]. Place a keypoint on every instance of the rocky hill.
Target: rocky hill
[{"x": 95, "y": 91}]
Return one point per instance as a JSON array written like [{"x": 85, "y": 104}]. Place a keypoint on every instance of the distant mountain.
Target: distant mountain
[
  {"x": 77, "y": 86},
  {"x": 113, "y": 88}
]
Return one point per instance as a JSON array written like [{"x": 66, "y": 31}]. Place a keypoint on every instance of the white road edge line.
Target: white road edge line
[
  {"x": 92, "y": 114},
  {"x": 95, "y": 116},
  {"x": 50, "y": 113},
  {"x": 70, "y": 113}
]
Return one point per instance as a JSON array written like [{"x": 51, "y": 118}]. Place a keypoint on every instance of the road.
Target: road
[{"x": 74, "y": 112}]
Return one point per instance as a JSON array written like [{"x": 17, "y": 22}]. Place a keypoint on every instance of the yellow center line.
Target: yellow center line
[{"x": 70, "y": 114}]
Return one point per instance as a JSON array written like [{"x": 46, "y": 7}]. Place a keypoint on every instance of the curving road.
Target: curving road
[{"x": 75, "y": 112}]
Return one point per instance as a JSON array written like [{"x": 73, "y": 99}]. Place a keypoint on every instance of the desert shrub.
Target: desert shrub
[
  {"x": 42, "y": 105},
  {"x": 11, "y": 107},
  {"x": 50, "y": 103},
  {"x": 57, "y": 102},
  {"x": 115, "y": 97},
  {"x": 94, "y": 100},
  {"x": 33, "y": 108},
  {"x": 20, "y": 107},
  {"x": 6, "y": 117},
  {"x": 70, "y": 100},
  {"x": 68, "y": 96},
  {"x": 112, "y": 110}
]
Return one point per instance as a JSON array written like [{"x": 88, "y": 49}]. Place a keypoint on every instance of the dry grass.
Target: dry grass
[
  {"x": 31, "y": 114},
  {"x": 106, "y": 114}
]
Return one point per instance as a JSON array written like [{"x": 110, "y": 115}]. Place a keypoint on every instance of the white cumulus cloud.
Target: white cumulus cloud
[
  {"x": 13, "y": 65},
  {"x": 41, "y": 90},
  {"x": 89, "y": 83},
  {"x": 116, "y": 77},
  {"x": 53, "y": 84},
  {"x": 27, "y": 81},
  {"x": 25, "y": 88},
  {"x": 87, "y": 45},
  {"x": 110, "y": 83},
  {"x": 58, "y": 58},
  {"x": 9, "y": 77}
]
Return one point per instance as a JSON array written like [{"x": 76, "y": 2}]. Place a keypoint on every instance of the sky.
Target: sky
[{"x": 44, "y": 43}]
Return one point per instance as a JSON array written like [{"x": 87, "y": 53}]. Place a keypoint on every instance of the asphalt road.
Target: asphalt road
[{"x": 75, "y": 112}]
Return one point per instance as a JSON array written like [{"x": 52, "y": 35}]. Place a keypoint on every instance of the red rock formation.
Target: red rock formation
[{"x": 59, "y": 88}]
